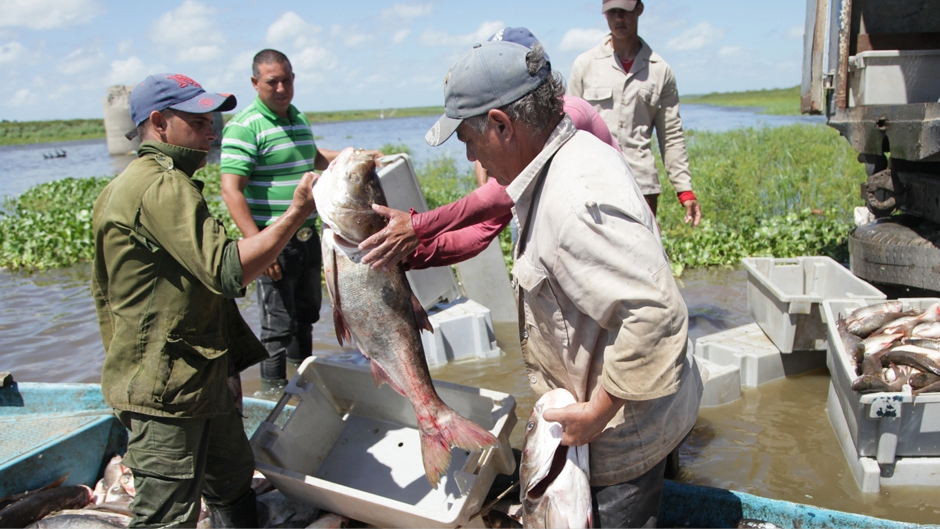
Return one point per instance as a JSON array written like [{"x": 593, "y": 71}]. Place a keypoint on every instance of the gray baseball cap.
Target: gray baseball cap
[{"x": 490, "y": 75}]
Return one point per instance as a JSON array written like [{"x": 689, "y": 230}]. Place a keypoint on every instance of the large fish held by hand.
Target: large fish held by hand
[
  {"x": 555, "y": 479},
  {"x": 379, "y": 311}
]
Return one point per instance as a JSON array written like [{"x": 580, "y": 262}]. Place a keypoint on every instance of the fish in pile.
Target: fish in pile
[
  {"x": 378, "y": 310},
  {"x": 890, "y": 348},
  {"x": 556, "y": 489}
]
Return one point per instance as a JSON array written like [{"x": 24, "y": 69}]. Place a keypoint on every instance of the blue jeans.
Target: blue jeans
[{"x": 290, "y": 306}]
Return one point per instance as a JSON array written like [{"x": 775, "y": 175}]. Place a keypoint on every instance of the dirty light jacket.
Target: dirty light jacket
[
  {"x": 599, "y": 304},
  {"x": 164, "y": 277},
  {"x": 633, "y": 103}
]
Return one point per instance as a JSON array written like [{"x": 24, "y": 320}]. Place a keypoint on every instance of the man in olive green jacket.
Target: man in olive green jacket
[{"x": 164, "y": 280}]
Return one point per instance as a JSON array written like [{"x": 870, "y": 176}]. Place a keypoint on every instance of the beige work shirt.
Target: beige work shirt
[
  {"x": 633, "y": 104},
  {"x": 600, "y": 304}
]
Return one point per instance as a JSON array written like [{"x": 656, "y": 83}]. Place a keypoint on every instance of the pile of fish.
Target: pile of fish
[
  {"x": 890, "y": 348},
  {"x": 108, "y": 505}
]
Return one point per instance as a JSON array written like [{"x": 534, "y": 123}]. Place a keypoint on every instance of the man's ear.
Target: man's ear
[{"x": 501, "y": 122}]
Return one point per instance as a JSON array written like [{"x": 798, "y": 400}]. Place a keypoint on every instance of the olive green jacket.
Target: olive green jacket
[{"x": 164, "y": 280}]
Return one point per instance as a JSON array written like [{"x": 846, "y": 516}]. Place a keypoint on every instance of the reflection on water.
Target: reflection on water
[{"x": 775, "y": 442}]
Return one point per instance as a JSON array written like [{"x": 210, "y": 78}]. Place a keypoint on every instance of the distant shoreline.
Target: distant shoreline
[{"x": 780, "y": 101}]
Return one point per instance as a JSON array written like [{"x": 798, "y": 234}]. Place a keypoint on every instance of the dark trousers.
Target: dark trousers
[
  {"x": 178, "y": 461},
  {"x": 290, "y": 306},
  {"x": 634, "y": 503}
]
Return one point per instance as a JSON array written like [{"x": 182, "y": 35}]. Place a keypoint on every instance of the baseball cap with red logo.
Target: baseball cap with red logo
[{"x": 176, "y": 91}]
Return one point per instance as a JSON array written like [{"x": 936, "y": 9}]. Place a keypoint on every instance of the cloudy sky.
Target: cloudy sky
[{"x": 58, "y": 56}]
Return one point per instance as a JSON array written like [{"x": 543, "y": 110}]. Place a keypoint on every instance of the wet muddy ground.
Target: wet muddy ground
[{"x": 775, "y": 442}]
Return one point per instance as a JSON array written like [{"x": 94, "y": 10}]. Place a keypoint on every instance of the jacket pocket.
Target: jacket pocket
[
  {"x": 544, "y": 322},
  {"x": 192, "y": 371},
  {"x": 598, "y": 94}
]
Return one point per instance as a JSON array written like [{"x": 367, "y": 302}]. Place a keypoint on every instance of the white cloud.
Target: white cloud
[
  {"x": 125, "y": 46},
  {"x": 81, "y": 60},
  {"x": 192, "y": 30},
  {"x": 312, "y": 58},
  {"x": 23, "y": 97},
  {"x": 732, "y": 51},
  {"x": 697, "y": 37},
  {"x": 408, "y": 11},
  {"x": 129, "y": 71},
  {"x": 48, "y": 14},
  {"x": 400, "y": 36},
  {"x": 795, "y": 33},
  {"x": 581, "y": 39},
  {"x": 12, "y": 53},
  {"x": 290, "y": 28},
  {"x": 432, "y": 38}
]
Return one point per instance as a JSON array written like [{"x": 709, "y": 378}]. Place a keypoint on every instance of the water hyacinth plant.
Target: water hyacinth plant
[{"x": 781, "y": 192}]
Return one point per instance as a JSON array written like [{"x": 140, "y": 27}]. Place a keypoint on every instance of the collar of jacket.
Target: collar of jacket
[
  {"x": 184, "y": 159},
  {"x": 644, "y": 55}
]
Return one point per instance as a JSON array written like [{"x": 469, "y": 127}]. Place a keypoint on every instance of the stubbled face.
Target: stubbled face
[
  {"x": 486, "y": 149},
  {"x": 193, "y": 131},
  {"x": 623, "y": 23},
  {"x": 275, "y": 86}
]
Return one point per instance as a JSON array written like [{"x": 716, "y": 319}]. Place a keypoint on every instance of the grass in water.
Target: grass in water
[
  {"x": 779, "y": 101},
  {"x": 780, "y": 192},
  {"x": 17, "y": 132}
]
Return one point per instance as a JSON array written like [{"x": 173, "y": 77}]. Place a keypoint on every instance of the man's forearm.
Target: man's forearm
[{"x": 258, "y": 251}]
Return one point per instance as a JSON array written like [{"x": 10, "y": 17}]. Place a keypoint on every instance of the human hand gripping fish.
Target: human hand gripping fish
[
  {"x": 582, "y": 422},
  {"x": 378, "y": 310},
  {"x": 554, "y": 478}
]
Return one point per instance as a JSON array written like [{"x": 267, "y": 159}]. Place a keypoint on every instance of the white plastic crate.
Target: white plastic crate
[
  {"x": 894, "y": 77},
  {"x": 883, "y": 426},
  {"x": 353, "y": 449},
  {"x": 784, "y": 296}
]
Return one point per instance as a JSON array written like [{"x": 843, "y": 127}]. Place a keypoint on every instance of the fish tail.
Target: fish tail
[{"x": 450, "y": 430}]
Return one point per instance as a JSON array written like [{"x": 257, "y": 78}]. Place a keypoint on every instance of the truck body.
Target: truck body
[{"x": 873, "y": 68}]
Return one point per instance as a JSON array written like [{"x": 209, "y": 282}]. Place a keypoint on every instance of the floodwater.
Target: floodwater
[
  {"x": 22, "y": 166},
  {"x": 775, "y": 442}
]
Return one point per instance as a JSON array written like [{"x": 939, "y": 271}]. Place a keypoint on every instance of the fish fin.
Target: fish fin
[
  {"x": 332, "y": 284},
  {"x": 449, "y": 430},
  {"x": 421, "y": 315},
  {"x": 380, "y": 376}
]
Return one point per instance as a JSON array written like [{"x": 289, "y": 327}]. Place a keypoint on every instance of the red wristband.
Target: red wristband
[{"x": 686, "y": 196}]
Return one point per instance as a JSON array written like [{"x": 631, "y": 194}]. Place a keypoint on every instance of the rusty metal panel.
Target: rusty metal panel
[
  {"x": 912, "y": 131},
  {"x": 812, "y": 95},
  {"x": 845, "y": 40}
]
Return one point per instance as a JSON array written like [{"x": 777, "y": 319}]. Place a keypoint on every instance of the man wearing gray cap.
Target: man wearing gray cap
[
  {"x": 599, "y": 311},
  {"x": 634, "y": 90},
  {"x": 164, "y": 279}
]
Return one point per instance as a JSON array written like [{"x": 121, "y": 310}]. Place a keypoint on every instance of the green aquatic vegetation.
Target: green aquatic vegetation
[
  {"x": 779, "y": 101},
  {"x": 17, "y": 132},
  {"x": 49, "y": 225},
  {"x": 780, "y": 192},
  {"x": 358, "y": 115}
]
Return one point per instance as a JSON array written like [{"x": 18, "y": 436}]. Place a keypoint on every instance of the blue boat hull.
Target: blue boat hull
[{"x": 50, "y": 430}]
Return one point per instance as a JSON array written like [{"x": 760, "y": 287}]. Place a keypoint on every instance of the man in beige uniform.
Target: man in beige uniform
[
  {"x": 634, "y": 90},
  {"x": 600, "y": 313}
]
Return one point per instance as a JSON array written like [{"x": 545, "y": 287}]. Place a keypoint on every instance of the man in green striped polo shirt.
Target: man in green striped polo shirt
[{"x": 266, "y": 148}]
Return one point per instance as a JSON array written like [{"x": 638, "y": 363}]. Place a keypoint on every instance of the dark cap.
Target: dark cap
[
  {"x": 490, "y": 75},
  {"x": 519, "y": 36},
  {"x": 176, "y": 91}
]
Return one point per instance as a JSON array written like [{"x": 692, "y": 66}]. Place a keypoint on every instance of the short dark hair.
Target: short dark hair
[
  {"x": 269, "y": 56},
  {"x": 145, "y": 124}
]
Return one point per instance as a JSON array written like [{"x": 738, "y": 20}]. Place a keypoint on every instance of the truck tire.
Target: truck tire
[{"x": 899, "y": 250}]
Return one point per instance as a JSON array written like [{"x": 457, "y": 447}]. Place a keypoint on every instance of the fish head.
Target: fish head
[
  {"x": 344, "y": 194},
  {"x": 553, "y": 477}
]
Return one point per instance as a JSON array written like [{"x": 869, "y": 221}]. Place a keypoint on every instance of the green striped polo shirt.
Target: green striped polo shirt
[{"x": 273, "y": 152}]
